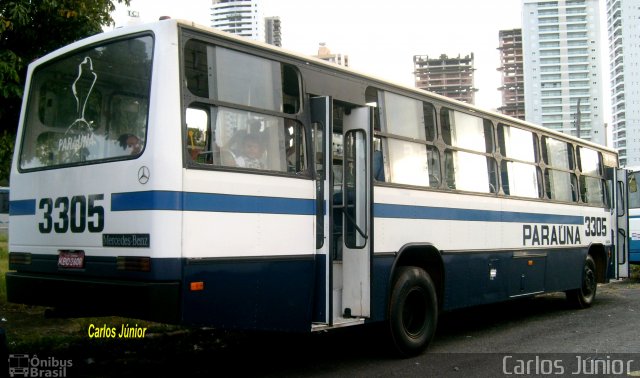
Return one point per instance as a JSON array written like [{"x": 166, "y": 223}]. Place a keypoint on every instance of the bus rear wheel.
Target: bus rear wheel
[
  {"x": 413, "y": 311},
  {"x": 584, "y": 296}
]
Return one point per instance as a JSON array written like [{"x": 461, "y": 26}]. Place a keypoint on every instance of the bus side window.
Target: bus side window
[
  {"x": 449, "y": 170},
  {"x": 519, "y": 173},
  {"x": 378, "y": 166},
  {"x": 239, "y": 139},
  {"x": 469, "y": 164},
  {"x": 560, "y": 183},
  {"x": 406, "y": 155},
  {"x": 634, "y": 193},
  {"x": 197, "y": 145},
  {"x": 295, "y": 147},
  {"x": 592, "y": 184}
]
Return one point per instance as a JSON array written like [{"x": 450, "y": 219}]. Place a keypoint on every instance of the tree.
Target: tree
[{"x": 30, "y": 29}]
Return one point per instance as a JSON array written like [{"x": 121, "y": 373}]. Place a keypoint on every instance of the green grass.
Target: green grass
[{"x": 635, "y": 272}]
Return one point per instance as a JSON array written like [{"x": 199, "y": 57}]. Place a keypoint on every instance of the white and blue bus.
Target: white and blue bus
[{"x": 171, "y": 172}]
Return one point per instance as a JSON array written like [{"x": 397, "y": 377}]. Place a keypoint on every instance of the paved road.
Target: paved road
[
  {"x": 540, "y": 333},
  {"x": 475, "y": 342}
]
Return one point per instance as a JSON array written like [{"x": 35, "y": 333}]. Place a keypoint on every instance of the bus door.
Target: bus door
[
  {"x": 342, "y": 159},
  {"x": 356, "y": 212},
  {"x": 321, "y": 123},
  {"x": 622, "y": 187}
]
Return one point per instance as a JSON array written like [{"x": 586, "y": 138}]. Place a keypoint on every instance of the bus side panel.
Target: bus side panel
[
  {"x": 564, "y": 269},
  {"x": 475, "y": 278},
  {"x": 269, "y": 294},
  {"x": 482, "y": 278},
  {"x": 382, "y": 265},
  {"x": 249, "y": 239}
]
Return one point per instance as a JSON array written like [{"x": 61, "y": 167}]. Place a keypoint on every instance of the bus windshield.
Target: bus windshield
[{"x": 89, "y": 106}]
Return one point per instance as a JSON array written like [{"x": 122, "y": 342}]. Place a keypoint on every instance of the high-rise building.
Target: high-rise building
[
  {"x": 512, "y": 69},
  {"x": 562, "y": 70},
  {"x": 273, "y": 31},
  {"x": 325, "y": 54},
  {"x": 241, "y": 17},
  {"x": 451, "y": 77},
  {"x": 624, "y": 55}
]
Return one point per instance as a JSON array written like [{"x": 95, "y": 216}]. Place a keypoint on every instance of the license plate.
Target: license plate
[{"x": 71, "y": 259}]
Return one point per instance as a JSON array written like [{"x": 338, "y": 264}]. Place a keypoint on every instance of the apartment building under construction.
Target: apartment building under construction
[
  {"x": 512, "y": 72},
  {"x": 451, "y": 77}
]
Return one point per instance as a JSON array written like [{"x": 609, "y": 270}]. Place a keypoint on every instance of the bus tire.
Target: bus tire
[
  {"x": 584, "y": 296},
  {"x": 413, "y": 311}
]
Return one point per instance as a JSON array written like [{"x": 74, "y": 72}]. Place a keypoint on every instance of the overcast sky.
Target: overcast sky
[{"x": 380, "y": 37}]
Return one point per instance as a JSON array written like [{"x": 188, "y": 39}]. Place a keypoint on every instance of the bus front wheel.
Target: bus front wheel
[
  {"x": 413, "y": 311},
  {"x": 584, "y": 296}
]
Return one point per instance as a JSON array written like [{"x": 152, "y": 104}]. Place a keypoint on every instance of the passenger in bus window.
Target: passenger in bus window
[
  {"x": 251, "y": 155},
  {"x": 378, "y": 166},
  {"x": 130, "y": 143}
]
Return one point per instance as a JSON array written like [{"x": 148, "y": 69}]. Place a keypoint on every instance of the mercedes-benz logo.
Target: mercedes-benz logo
[{"x": 143, "y": 175}]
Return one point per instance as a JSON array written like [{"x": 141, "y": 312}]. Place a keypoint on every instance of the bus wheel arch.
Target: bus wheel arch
[
  {"x": 593, "y": 271},
  {"x": 415, "y": 298},
  {"x": 426, "y": 257},
  {"x": 599, "y": 256}
]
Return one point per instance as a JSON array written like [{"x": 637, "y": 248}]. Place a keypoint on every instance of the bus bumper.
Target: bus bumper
[{"x": 75, "y": 296}]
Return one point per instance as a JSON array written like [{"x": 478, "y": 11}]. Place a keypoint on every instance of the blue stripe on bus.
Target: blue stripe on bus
[
  {"x": 22, "y": 207},
  {"x": 151, "y": 200},
  {"x": 445, "y": 213},
  {"x": 187, "y": 201}
]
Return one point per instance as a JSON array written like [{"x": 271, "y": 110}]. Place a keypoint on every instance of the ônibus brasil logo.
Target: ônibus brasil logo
[{"x": 23, "y": 365}]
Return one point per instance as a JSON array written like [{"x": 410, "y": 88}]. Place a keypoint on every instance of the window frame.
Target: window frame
[
  {"x": 222, "y": 157},
  {"x": 190, "y": 100},
  {"x": 384, "y": 135},
  {"x": 590, "y": 176},
  {"x": 551, "y": 167},
  {"x": 506, "y": 160},
  {"x": 488, "y": 129}
]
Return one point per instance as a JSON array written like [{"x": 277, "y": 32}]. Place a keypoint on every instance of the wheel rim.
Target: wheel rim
[{"x": 414, "y": 313}]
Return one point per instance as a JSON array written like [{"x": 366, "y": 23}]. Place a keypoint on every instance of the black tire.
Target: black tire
[
  {"x": 584, "y": 296},
  {"x": 413, "y": 311}
]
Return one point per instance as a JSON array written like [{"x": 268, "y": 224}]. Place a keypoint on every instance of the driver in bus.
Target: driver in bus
[{"x": 130, "y": 143}]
